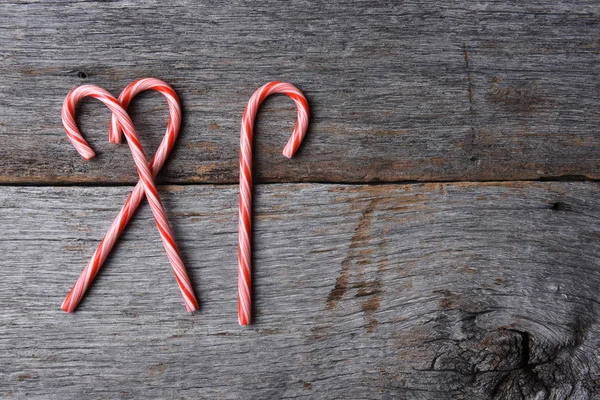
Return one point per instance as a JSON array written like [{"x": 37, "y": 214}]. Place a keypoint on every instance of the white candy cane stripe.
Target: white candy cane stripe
[
  {"x": 245, "y": 214},
  {"x": 145, "y": 185}
]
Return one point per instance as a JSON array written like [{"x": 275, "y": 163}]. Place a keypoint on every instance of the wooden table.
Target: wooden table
[{"x": 436, "y": 237}]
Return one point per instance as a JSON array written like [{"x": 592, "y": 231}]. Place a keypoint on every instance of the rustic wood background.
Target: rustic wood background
[{"x": 436, "y": 237}]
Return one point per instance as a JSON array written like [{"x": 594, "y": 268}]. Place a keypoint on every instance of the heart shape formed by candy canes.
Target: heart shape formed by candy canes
[{"x": 121, "y": 122}]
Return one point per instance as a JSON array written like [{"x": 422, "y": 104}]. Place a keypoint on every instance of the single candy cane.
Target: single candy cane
[
  {"x": 245, "y": 216},
  {"x": 145, "y": 186}
]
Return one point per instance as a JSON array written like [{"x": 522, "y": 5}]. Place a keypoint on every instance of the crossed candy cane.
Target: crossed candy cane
[{"x": 121, "y": 122}]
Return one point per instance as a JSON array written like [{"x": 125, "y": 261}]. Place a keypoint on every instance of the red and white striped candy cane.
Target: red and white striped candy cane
[
  {"x": 245, "y": 216},
  {"x": 145, "y": 185}
]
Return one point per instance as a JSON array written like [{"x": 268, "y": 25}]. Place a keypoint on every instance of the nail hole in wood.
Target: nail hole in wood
[{"x": 560, "y": 206}]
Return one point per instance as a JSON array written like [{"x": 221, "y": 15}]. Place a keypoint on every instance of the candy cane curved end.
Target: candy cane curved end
[
  {"x": 141, "y": 85},
  {"x": 245, "y": 210},
  {"x": 68, "y": 115}
]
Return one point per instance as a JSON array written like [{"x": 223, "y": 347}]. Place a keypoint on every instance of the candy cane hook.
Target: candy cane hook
[
  {"x": 145, "y": 185},
  {"x": 245, "y": 215}
]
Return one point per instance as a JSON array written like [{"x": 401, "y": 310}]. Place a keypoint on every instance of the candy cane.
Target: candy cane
[
  {"x": 145, "y": 186},
  {"x": 245, "y": 216}
]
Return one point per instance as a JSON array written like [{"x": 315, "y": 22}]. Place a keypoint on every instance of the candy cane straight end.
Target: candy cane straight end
[
  {"x": 288, "y": 153},
  {"x": 192, "y": 307},
  {"x": 88, "y": 156},
  {"x": 66, "y": 306},
  {"x": 243, "y": 319}
]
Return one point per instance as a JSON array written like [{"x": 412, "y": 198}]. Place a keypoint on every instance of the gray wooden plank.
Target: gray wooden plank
[
  {"x": 424, "y": 291},
  {"x": 488, "y": 90}
]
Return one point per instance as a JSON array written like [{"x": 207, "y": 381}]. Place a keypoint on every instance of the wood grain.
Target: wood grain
[
  {"x": 400, "y": 91},
  {"x": 443, "y": 290},
  {"x": 421, "y": 291}
]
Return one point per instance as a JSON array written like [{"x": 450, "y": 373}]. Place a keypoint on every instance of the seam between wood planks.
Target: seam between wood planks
[{"x": 562, "y": 178}]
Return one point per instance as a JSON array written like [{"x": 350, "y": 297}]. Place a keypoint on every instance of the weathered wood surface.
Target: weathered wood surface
[
  {"x": 425, "y": 291},
  {"x": 399, "y": 91},
  {"x": 414, "y": 291}
]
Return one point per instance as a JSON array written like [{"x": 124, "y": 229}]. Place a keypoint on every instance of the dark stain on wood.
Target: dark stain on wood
[
  {"x": 518, "y": 99},
  {"x": 369, "y": 307},
  {"x": 341, "y": 285},
  {"x": 448, "y": 300},
  {"x": 360, "y": 239},
  {"x": 360, "y": 255}
]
